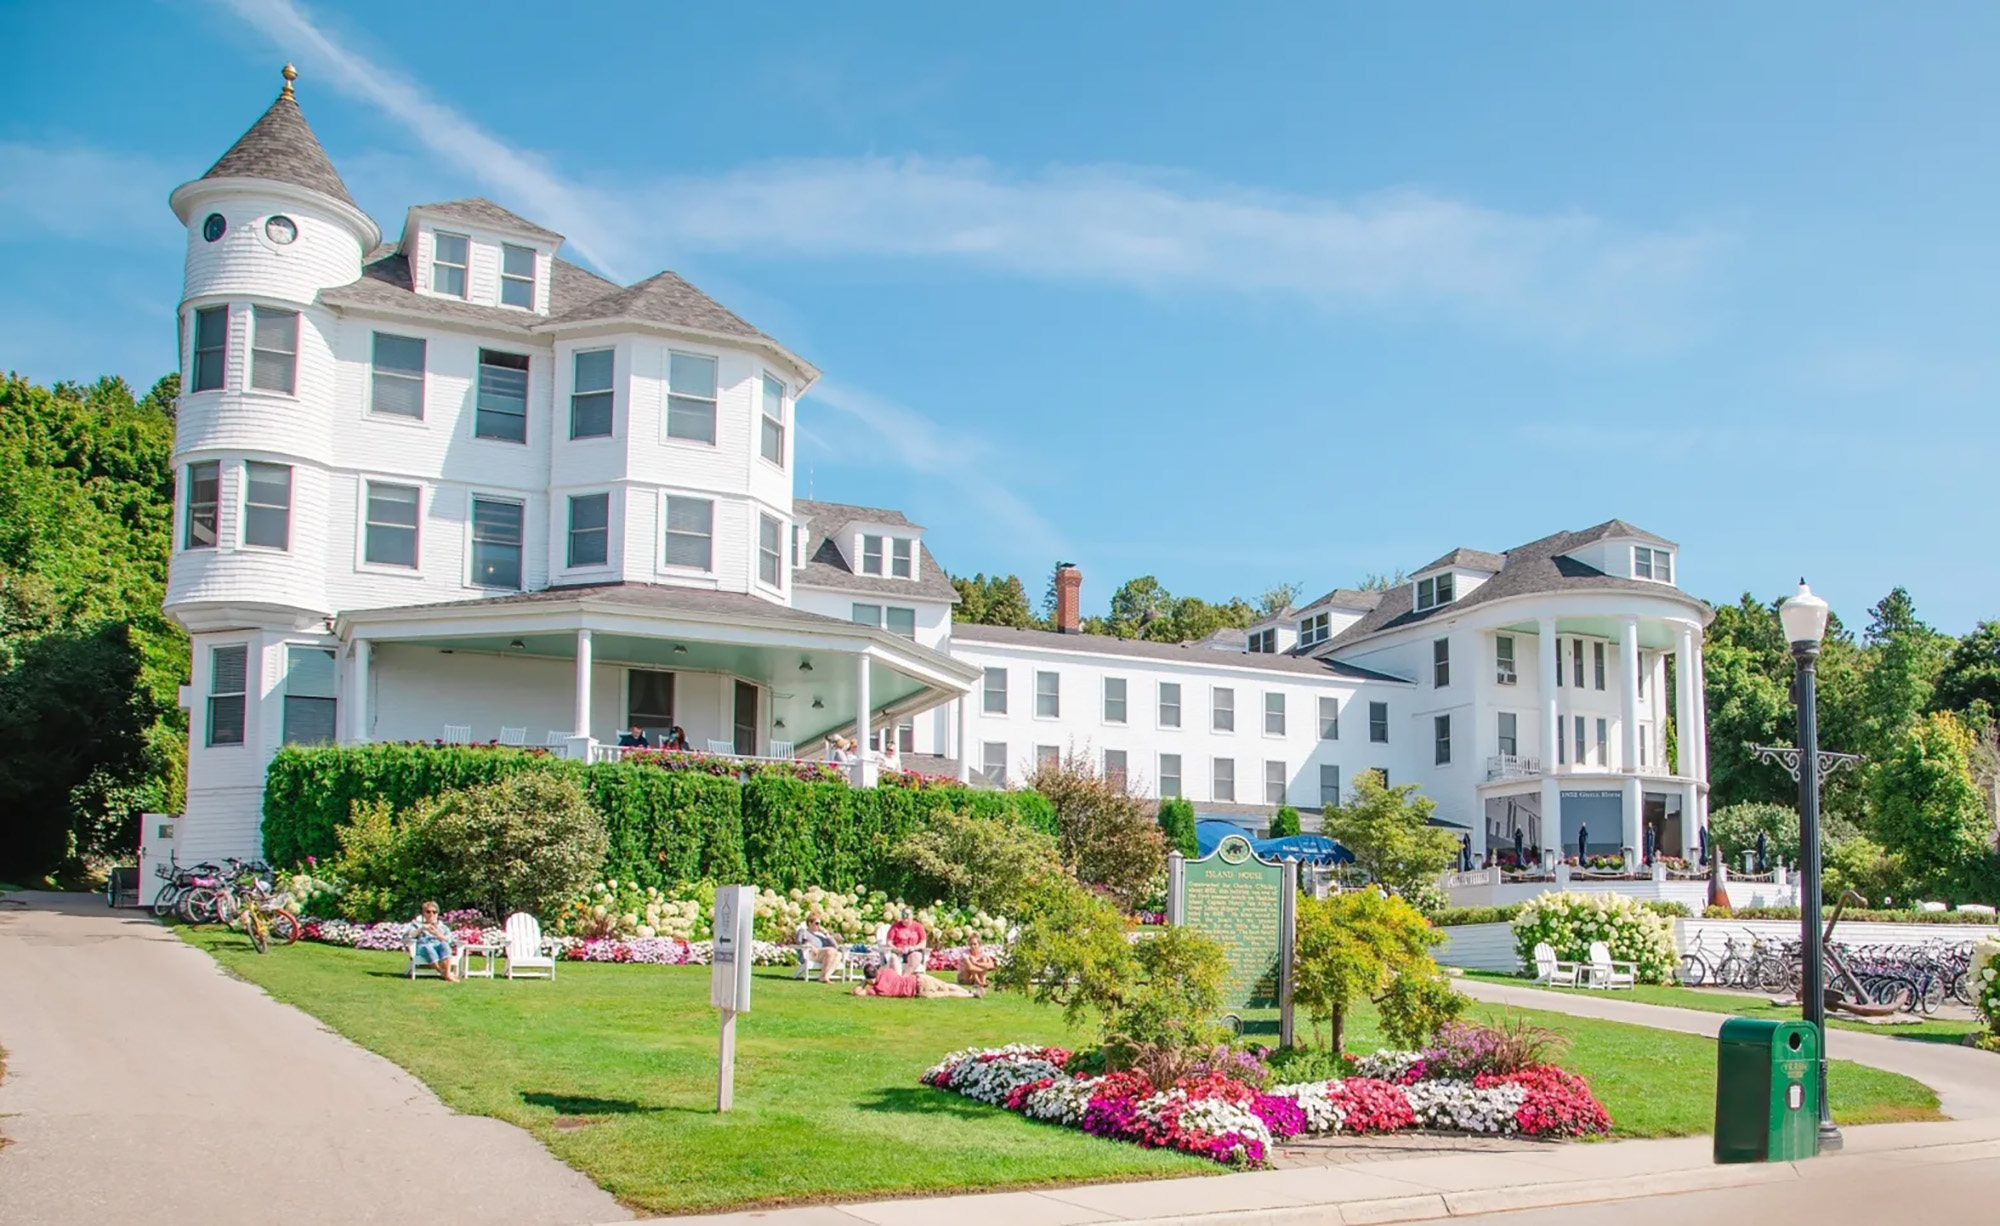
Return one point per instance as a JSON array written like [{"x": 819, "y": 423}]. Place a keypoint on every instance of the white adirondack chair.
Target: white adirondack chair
[
  {"x": 724, "y": 747},
  {"x": 1551, "y": 972},
  {"x": 1604, "y": 973},
  {"x": 457, "y": 734},
  {"x": 525, "y": 958},
  {"x": 557, "y": 740},
  {"x": 513, "y": 736}
]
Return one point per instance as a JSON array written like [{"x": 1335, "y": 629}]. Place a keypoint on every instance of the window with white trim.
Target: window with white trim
[
  {"x": 1650, "y": 563},
  {"x": 203, "y": 505},
  {"x": 1503, "y": 660},
  {"x": 1576, "y": 663},
  {"x": 228, "y": 693},
  {"x": 210, "y": 365},
  {"x": 1604, "y": 742},
  {"x": 496, "y": 542},
  {"x": 1114, "y": 768},
  {"x": 871, "y": 555},
  {"x": 1049, "y": 756},
  {"x": 1114, "y": 700},
  {"x": 993, "y": 762},
  {"x": 1264, "y": 642},
  {"x": 1434, "y": 591},
  {"x": 274, "y": 350},
  {"x": 690, "y": 533},
  {"x": 1222, "y": 709},
  {"x": 770, "y": 550},
  {"x": 396, "y": 376},
  {"x": 1441, "y": 740},
  {"x": 691, "y": 397},
  {"x": 312, "y": 707},
  {"x": 390, "y": 532},
  {"x": 771, "y": 440},
  {"x": 1275, "y": 776},
  {"x": 1314, "y": 629},
  {"x": 1222, "y": 777},
  {"x": 1440, "y": 663},
  {"x": 1597, "y": 664},
  {"x": 1170, "y": 775},
  {"x": 865, "y": 614},
  {"x": 589, "y": 529},
  {"x": 1048, "y": 696},
  {"x": 590, "y": 394},
  {"x": 267, "y": 505},
  {"x": 1329, "y": 786},
  {"x": 993, "y": 693},
  {"x": 448, "y": 264},
  {"x": 899, "y": 620},
  {"x": 1329, "y": 718},
  {"x": 1378, "y": 723},
  {"x": 1170, "y": 704},
  {"x": 902, "y": 557},
  {"x": 517, "y": 276},
  {"x": 1582, "y": 752},
  {"x": 1274, "y": 713},
  {"x": 1509, "y": 735},
  {"x": 500, "y": 411}
]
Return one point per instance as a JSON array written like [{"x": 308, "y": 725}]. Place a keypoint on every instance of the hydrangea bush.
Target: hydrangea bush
[
  {"x": 624, "y": 909},
  {"x": 1985, "y": 976},
  {"x": 1568, "y": 922},
  {"x": 1220, "y": 1117}
]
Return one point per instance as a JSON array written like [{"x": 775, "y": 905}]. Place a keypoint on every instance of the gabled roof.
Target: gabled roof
[
  {"x": 825, "y": 566},
  {"x": 281, "y": 146},
  {"x": 1199, "y": 654},
  {"x": 1345, "y": 598},
  {"x": 1468, "y": 559},
  {"x": 1539, "y": 566},
  {"x": 385, "y": 285},
  {"x": 1617, "y": 529},
  {"x": 663, "y": 298},
  {"x": 480, "y": 211}
]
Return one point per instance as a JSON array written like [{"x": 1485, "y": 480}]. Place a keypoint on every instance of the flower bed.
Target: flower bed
[
  {"x": 1220, "y": 1117},
  {"x": 626, "y": 909}
]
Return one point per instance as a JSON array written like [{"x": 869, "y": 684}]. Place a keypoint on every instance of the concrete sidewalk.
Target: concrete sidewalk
[
  {"x": 145, "y": 1085},
  {"x": 1407, "y": 1190}
]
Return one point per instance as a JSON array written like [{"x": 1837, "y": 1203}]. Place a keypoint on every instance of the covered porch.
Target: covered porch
[{"x": 575, "y": 669}]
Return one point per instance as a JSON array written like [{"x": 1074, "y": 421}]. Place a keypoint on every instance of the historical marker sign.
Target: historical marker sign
[{"x": 1246, "y": 905}]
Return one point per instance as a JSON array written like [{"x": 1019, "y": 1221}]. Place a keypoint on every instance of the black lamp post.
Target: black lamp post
[{"x": 1804, "y": 618}]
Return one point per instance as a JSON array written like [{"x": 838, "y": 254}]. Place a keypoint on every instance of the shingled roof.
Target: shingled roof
[
  {"x": 281, "y": 146},
  {"x": 826, "y": 566},
  {"x": 663, "y": 298},
  {"x": 1201, "y": 655},
  {"x": 1539, "y": 566},
  {"x": 480, "y": 211},
  {"x": 385, "y": 285}
]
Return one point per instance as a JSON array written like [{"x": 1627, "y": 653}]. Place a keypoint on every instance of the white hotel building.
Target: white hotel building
[{"x": 453, "y": 486}]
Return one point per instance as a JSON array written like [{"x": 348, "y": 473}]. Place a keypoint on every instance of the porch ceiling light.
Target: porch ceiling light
[
  {"x": 805, "y": 666},
  {"x": 1803, "y": 616},
  {"x": 777, "y": 723},
  {"x": 818, "y": 705},
  {"x": 518, "y": 645},
  {"x": 680, "y": 649}
]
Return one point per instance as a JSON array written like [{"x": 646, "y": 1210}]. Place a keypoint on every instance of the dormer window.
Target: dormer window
[
  {"x": 1433, "y": 592},
  {"x": 1264, "y": 643},
  {"x": 1314, "y": 629},
  {"x": 871, "y": 555},
  {"x": 1649, "y": 563},
  {"x": 903, "y": 557},
  {"x": 517, "y": 277},
  {"x": 449, "y": 259}
]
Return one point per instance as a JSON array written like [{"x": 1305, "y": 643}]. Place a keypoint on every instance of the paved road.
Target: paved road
[
  {"x": 1967, "y": 1080},
  {"x": 145, "y": 1085}
]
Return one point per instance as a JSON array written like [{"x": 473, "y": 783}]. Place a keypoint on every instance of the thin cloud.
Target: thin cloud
[{"x": 78, "y": 192}]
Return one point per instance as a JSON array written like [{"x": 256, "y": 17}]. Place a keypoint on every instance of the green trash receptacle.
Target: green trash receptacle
[{"x": 1766, "y": 1091}]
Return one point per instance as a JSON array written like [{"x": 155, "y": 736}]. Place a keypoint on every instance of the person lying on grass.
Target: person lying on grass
[
  {"x": 889, "y": 981},
  {"x": 434, "y": 943}
]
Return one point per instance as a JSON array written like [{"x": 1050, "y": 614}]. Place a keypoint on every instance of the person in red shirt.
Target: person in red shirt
[{"x": 910, "y": 943}]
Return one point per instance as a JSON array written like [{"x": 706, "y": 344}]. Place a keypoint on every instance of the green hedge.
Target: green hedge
[
  {"x": 666, "y": 827},
  {"x": 1856, "y": 916},
  {"x": 1451, "y": 917}
]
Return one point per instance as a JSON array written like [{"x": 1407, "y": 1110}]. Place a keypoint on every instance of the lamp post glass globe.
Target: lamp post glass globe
[{"x": 1803, "y": 616}]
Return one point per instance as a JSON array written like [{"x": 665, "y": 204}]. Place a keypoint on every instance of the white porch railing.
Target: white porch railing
[
  {"x": 601, "y": 752},
  {"x": 1512, "y": 766}
]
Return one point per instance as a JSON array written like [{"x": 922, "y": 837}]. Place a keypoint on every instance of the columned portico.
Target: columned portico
[
  {"x": 1545, "y": 662},
  {"x": 864, "y": 758},
  {"x": 1684, "y": 703},
  {"x": 580, "y": 726}
]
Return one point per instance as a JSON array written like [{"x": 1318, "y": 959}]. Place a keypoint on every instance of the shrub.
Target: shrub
[
  {"x": 374, "y": 866},
  {"x": 1984, "y": 978},
  {"x": 1463, "y": 1051},
  {"x": 1352, "y": 945},
  {"x": 1102, "y": 830},
  {"x": 1857, "y": 915},
  {"x": 1733, "y": 830},
  {"x": 1569, "y": 922},
  {"x": 1171, "y": 1011},
  {"x": 1389, "y": 832},
  {"x": 1285, "y": 822},
  {"x": 1415, "y": 1006},
  {"x": 1451, "y": 917},
  {"x": 984, "y": 863},
  {"x": 1176, "y": 821},
  {"x": 524, "y": 843},
  {"x": 1072, "y": 951}
]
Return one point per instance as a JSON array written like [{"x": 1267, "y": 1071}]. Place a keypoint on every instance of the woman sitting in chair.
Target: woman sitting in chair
[{"x": 434, "y": 944}]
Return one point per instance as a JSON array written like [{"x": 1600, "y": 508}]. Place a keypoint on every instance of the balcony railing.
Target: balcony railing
[{"x": 1512, "y": 766}]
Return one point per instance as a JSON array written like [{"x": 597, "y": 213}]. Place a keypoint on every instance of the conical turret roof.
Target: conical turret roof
[{"x": 281, "y": 146}]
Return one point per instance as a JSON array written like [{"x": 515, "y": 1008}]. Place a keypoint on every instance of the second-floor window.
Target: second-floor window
[
  {"x": 517, "y": 276},
  {"x": 993, "y": 692},
  {"x": 903, "y": 557},
  {"x": 1274, "y": 782},
  {"x": 1378, "y": 723},
  {"x": 691, "y": 397},
  {"x": 311, "y": 710},
  {"x": 1503, "y": 659},
  {"x": 1441, "y": 740},
  {"x": 770, "y": 550},
  {"x": 590, "y": 394},
  {"x": 898, "y": 620},
  {"x": 690, "y": 533},
  {"x": 1170, "y": 704},
  {"x": 1329, "y": 719},
  {"x": 1114, "y": 768},
  {"x": 496, "y": 543},
  {"x": 267, "y": 505},
  {"x": 1274, "y": 713},
  {"x": 1222, "y": 709},
  {"x": 501, "y": 412},
  {"x": 211, "y": 349},
  {"x": 448, "y": 264},
  {"x": 993, "y": 762},
  {"x": 204, "y": 504},
  {"x": 1048, "y": 696},
  {"x": 228, "y": 680},
  {"x": 1114, "y": 700},
  {"x": 772, "y": 440},
  {"x": 1576, "y": 663},
  {"x": 1329, "y": 786},
  {"x": 865, "y": 615},
  {"x": 1440, "y": 663},
  {"x": 396, "y": 379},
  {"x": 1313, "y": 629},
  {"x": 589, "y": 529},
  {"x": 1264, "y": 642},
  {"x": 1597, "y": 665},
  {"x": 274, "y": 350},
  {"x": 871, "y": 555},
  {"x": 1223, "y": 773},
  {"x": 1510, "y": 741},
  {"x": 391, "y": 530},
  {"x": 1170, "y": 774},
  {"x": 1648, "y": 563}
]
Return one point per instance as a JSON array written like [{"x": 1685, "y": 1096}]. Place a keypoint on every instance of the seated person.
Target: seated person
[
  {"x": 818, "y": 948},
  {"x": 434, "y": 945},
  {"x": 635, "y": 739},
  {"x": 909, "y": 944},
  {"x": 977, "y": 964},
  {"x": 676, "y": 739}
]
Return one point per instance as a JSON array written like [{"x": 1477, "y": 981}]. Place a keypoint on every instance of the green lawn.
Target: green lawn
[
  {"x": 1932, "y": 1030},
  {"x": 613, "y": 1068}
]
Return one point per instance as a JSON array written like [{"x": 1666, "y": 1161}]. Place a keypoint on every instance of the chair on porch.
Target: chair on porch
[
  {"x": 722, "y": 747},
  {"x": 781, "y": 749},
  {"x": 556, "y": 740},
  {"x": 513, "y": 736},
  {"x": 457, "y": 734}
]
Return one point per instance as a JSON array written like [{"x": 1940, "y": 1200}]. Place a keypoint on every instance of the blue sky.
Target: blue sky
[{"x": 1226, "y": 294}]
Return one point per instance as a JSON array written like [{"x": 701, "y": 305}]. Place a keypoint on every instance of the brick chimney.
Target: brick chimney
[{"x": 1069, "y": 598}]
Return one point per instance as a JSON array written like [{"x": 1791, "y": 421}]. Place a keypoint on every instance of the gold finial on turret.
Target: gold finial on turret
[{"x": 291, "y": 75}]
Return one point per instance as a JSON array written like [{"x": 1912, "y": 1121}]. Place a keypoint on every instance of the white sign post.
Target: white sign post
[{"x": 729, "y": 976}]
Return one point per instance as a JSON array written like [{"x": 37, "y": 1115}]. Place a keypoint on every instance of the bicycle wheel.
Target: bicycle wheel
[
  {"x": 284, "y": 927},
  {"x": 1771, "y": 976},
  {"x": 165, "y": 901},
  {"x": 197, "y": 906},
  {"x": 1694, "y": 972},
  {"x": 1930, "y": 995},
  {"x": 226, "y": 907},
  {"x": 260, "y": 933}
]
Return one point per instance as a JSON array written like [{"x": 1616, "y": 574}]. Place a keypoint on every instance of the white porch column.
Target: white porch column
[
  {"x": 582, "y": 728},
  {"x": 1552, "y": 830},
  {"x": 1551, "y": 721},
  {"x": 357, "y": 702},
  {"x": 1693, "y": 818},
  {"x": 864, "y": 761},
  {"x": 958, "y": 712},
  {"x": 1635, "y": 813},
  {"x": 1628, "y": 678},
  {"x": 1684, "y": 702},
  {"x": 1698, "y": 696}
]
